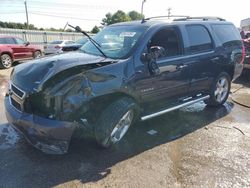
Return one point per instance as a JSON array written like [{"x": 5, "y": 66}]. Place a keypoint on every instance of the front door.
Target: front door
[
  {"x": 20, "y": 50},
  {"x": 171, "y": 84}
]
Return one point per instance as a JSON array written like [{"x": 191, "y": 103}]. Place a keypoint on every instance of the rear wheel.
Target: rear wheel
[
  {"x": 6, "y": 61},
  {"x": 37, "y": 54},
  {"x": 115, "y": 121},
  {"x": 220, "y": 90}
]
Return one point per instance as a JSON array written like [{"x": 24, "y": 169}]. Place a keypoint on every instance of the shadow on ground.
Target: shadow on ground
[
  {"x": 24, "y": 166},
  {"x": 244, "y": 79}
]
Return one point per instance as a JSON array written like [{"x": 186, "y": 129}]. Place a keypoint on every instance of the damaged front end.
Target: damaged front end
[{"x": 48, "y": 110}]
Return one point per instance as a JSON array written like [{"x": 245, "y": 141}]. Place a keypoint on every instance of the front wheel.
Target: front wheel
[
  {"x": 5, "y": 61},
  {"x": 114, "y": 122},
  {"x": 220, "y": 90}
]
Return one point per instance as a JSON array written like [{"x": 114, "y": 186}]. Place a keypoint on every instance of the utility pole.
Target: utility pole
[
  {"x": 169, "y": 12},
  {"x": 142, "y": 7},
  {"x": 27, "y": 17}
]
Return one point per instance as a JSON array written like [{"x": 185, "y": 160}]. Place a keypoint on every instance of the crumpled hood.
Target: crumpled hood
[{"x": 32, "y": 75}]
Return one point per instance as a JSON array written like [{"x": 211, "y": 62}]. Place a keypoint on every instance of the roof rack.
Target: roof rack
[
  {"x": 168, "y": 16},
  {"x": 204, "y": 18},
  {"x": 185, "y": 18}
]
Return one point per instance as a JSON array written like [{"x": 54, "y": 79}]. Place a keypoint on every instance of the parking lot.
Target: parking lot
[{"x": 195, "y": 146}]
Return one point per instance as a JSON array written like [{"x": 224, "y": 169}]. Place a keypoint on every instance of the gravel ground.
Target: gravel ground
[{"x": 195, "y": 146}]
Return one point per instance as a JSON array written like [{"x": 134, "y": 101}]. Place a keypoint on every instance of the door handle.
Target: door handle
[{"x": 181, "y": 66}]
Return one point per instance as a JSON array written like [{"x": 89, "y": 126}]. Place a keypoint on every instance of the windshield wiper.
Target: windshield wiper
[{"x": 98, "y": 46}]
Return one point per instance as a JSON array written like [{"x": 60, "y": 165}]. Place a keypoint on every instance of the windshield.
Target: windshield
[
  {"x": 82, "y": 41},
  {"x": 115, "y": 42}
]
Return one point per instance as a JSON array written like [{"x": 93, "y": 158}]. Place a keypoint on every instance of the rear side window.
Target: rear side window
[
  {"x": 199, "y": 39},
  {"x": 2, "y": 41},
  {"x": 226, "y": 33},
  {"x": 10, "y": 41},
  {"x": 69, "y": 42},
  {"x": 56, "y": 42}
]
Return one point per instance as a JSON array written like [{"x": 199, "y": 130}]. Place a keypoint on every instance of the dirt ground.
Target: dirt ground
[{"x": 195, "y": 146}]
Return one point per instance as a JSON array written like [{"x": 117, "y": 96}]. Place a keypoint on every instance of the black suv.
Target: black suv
[{"x": 129, "y": 71}]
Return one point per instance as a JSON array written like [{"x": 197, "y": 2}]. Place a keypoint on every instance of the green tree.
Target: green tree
[
  {"x": 117, "y": 17},
  {"x": 135, "y": 15},
  {"x": 95, "y": 29},
  {"x": 107, "y": 20}
]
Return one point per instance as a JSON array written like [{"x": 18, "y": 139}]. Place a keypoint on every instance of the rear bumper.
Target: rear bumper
[{"x": 50, "y": 136}]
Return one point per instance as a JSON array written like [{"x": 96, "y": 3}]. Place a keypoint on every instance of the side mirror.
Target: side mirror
[{"x": 27, "y": 44}]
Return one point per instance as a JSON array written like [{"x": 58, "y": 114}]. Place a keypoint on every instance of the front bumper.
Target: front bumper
[{"x": 50, "y": 136}]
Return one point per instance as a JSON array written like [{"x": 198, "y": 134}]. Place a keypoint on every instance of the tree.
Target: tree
[
  {"x": 107, "y": 20},
  {"x": 117, "y": 17},
  {"x": 95, "y": 29},
  {"x": 135, "y": 15},
  {"x": 120, "y": 16}
]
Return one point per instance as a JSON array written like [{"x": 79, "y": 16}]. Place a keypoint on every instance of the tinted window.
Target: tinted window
[
  {"x": 69, "y": 42},
  {"x": 19, "y": 41},
  {"x": 10, "y": 41},
  {"x": 199, "y": 38},
  {"x": 56, "y": 42},
  {"x": 226, "y": 33},
  {"x": 2, "y": 41},
  {"x": 168, "y": 39}
]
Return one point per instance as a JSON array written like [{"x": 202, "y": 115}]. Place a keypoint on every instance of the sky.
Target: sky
[{"x": 88, "y": 13}]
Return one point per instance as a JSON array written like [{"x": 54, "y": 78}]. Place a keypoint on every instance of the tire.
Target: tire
[
  {"x": 6, "y": 61},
  {"x": 219, "y": 91},
  {"x": 37, "y": 54},
  {"x": 115, "y": 121}
]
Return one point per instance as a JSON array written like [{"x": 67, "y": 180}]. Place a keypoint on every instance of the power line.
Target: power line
[{"x": 57, "y": 16}]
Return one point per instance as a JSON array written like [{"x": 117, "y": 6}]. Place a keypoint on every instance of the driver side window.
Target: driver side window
[
  {"x": 19, "y": 41},
  {"x": 168, "y": 39}
]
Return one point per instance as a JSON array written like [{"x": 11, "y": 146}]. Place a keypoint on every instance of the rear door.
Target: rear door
[{"x": 201, "y": 48}]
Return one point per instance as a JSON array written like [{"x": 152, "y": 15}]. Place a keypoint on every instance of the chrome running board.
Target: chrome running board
[{"x": 174, "y": 108}]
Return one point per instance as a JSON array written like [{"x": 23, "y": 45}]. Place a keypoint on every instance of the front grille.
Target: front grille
[
  {"x": 16, "y": 104},
  {"x": 16, "y": 96},
  {"x": 17, "y": 91}
]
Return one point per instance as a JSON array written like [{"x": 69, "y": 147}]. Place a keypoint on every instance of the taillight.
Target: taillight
[{"x": 57, "y": 47}]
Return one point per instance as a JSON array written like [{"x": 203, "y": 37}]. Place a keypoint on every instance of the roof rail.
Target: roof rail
[
  {"x": 169, "y": 16},
  {"x": 204, "y": 18}
]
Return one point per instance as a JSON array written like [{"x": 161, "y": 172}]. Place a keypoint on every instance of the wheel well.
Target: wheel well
[
  {"x": 230, "y": 72},
  {"x": 37, "y": 51},
  {"x": 8, "y": 53},
  {"x": 97, "y": 105}
]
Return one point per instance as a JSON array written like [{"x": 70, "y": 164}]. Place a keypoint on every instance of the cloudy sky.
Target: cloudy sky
[{"x": 88, "y": 13}]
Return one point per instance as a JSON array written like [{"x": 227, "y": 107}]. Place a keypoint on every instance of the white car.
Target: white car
[{"x": 55, "y": 46}]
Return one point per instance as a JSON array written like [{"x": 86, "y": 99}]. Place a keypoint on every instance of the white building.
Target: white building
[{"x": 245, "y": 24}]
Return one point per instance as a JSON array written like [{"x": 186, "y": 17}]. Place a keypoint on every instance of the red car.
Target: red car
[{"x": 15, "y": 49}]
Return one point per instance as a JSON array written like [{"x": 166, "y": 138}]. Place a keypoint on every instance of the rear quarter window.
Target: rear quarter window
[
  {"x": 226, "y": 33},
  {"x": 199, "y": 38},
  {"x": 10, "y": 41},
  {"x": 2, "y": 41}
]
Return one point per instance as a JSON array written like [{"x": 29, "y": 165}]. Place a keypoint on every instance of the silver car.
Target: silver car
[{"x": 55, "y": 46}]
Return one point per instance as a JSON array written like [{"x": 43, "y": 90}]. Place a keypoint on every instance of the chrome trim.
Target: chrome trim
[
  {"x": 174, "y": 108},
  {"x": 184, "y": 56},
  {"x": 13, "y": 105},
  {"x": 24, "y": 93}
]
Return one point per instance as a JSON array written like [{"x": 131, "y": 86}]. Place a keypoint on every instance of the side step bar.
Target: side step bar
[{"x": 174, "y": 108}]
